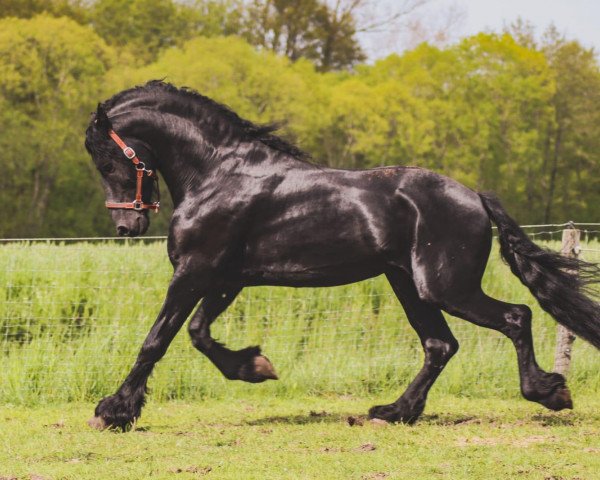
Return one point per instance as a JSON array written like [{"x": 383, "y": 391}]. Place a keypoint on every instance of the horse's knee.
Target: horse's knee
[
  {"x": 439, "y": 352},
  {"x": 518, "y": 321}
]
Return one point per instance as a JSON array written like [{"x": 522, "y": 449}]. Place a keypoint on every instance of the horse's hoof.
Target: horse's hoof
[
  {"x": 559, "y": 399},
  {"x": 386, "y": 413},
  {"x": 393, "y": 414},
  {"x": 257, "y": 370},
  {"x": 97, "y": 423},
  {"x": 264, "y": 368}
]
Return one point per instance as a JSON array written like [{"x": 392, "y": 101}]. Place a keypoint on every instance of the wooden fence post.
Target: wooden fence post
[{"x": 564, "y": 337}]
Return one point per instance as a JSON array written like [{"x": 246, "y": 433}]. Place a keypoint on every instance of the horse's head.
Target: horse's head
[{"x": 127, "y": 169}]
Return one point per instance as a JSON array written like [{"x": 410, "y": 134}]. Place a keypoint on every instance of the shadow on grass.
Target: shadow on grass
[
  {"x": 312, "y": 417},
  {"x": 451, "y": 419},
  {"x": 359, "y": 420},
  {"x": 553, "y": 420}
]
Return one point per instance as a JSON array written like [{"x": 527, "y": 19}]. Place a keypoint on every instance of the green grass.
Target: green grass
[
  {"x": 72, "y": 318},
  {"x": 308, "y": 438}
]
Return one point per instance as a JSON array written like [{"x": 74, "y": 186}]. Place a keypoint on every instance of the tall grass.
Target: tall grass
[{"x": 73, "y": 316}]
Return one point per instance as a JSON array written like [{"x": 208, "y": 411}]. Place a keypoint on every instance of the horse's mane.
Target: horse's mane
[{"x": 241, "y": 127}]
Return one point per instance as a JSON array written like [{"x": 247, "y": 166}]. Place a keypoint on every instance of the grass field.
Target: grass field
[
  {"x": 74, "y": 315},
  {"x": 276, "y": 438}
]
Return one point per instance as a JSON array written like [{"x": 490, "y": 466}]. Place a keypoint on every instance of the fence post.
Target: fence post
[{"x": 564, "y": 337}]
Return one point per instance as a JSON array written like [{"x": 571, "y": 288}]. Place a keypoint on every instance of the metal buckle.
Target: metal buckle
[
  {"x": 129, "y": 153},
  {"x": 138, "y": 206}
]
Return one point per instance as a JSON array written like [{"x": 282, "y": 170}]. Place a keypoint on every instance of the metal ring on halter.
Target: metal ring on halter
[
  {"x": 142, "y": 166},
  {"x": 138, "y": 206}
]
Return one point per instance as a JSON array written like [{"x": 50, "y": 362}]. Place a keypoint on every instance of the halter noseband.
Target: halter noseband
[{"x": 138, "y": 204}]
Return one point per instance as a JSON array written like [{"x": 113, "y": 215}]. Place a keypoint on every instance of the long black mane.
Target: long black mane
[{"x": 238, "y": 126}]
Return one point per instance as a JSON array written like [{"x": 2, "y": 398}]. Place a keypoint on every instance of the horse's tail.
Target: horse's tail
[{"x": 557, "y": 282}]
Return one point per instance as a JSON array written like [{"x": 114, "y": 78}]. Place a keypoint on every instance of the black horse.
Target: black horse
[{"x": 250, "y": 209}]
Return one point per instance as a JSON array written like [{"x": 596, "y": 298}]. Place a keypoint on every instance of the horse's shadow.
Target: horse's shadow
[
  {"x": 355, "y": 420},
  {"x": 301, "y": 419},
  {"x": 553, "y": 420}
]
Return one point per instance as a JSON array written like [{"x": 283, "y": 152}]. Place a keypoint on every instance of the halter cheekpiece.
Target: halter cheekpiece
[{"x": 138, "y": 204}]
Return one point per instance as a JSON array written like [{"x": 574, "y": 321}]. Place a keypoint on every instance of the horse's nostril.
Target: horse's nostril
[{"x": 122, "y": 230}]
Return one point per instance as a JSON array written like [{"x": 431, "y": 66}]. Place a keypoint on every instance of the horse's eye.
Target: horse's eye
[{"x": 107, "y": 168}]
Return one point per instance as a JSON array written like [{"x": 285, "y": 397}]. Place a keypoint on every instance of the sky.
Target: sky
[
  {"x": 579, "y": 19},
  {"x": 576, "y": 19}
]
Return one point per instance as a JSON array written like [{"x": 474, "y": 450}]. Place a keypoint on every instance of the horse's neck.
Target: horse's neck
[
  {"x": 178, "y": 168},
  {"x": 188, "y": 165},
  {"x": 187, "y": 162}
]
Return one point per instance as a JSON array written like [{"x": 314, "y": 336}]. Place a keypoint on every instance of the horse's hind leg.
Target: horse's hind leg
[
  {"x": 438, "y": 343},
  {"x": 514, "y": 321},
  {"x": 246, "y": 364}
]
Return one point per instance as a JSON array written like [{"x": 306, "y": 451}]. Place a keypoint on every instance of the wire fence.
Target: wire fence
[{"x": 75, "y": 312}]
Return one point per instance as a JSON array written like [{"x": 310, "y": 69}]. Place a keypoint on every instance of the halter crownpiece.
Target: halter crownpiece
[{"x": 138, "y": 204}]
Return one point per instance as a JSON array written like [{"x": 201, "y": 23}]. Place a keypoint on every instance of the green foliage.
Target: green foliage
[
  {"x": 143, "y": 26},
  {"x": 75, "y": 9},
  {"x": 304, "y": 28},
  {"x": 53, "y": 70},
  {"x": 211, "y": 18},
  {"x": 571, "y": 161},
  {"x": 497, "y": 112}
]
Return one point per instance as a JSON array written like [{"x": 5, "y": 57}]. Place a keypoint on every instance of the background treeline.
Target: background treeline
[{"x": 507, "y": 112}]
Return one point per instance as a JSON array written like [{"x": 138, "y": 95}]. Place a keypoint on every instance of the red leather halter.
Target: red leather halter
[{"x": 138, "y": 204}]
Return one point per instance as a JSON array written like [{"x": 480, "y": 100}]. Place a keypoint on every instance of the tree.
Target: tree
[
  {"x": 572, "y": 154},
  {"x": 509, "y": 112},
  {"x": 356, "y": 128},
  {"x": 143, "y": 26},
  {"x": 52, "y": 75},
  {"x": 75, "y": 9},
  {"x": 570, "y": 176},
  {"x": 339, "y": 48},
  {"x": 304, "y": 28},
  {"x": 211, "y": 18}
]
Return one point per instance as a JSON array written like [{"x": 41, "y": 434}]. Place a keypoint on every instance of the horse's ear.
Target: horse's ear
[{"x": 101, "y": 121}]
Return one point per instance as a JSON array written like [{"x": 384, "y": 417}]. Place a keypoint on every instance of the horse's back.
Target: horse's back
[{"x": 326, "y": 226}]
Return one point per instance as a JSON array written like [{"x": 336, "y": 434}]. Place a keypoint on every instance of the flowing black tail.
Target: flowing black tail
[{"x": 557, "y": 282}]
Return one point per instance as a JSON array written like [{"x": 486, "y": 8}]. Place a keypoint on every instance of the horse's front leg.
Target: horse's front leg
[{"x": 124, "y": 407}]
